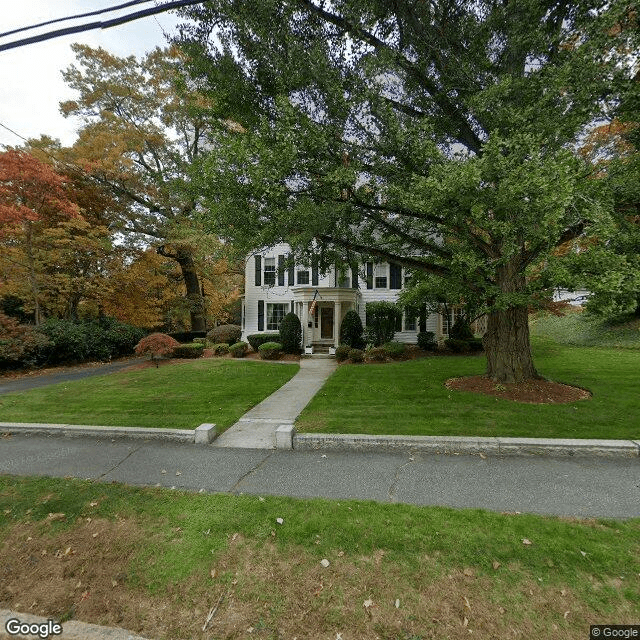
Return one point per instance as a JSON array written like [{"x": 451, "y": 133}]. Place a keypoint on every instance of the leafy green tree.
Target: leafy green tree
[
  {"x": 382, "y": 320},
  {"x": 437, "y": 135}
]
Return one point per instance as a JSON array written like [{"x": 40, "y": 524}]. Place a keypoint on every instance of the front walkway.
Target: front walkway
[{"x": 257, "y": 428}]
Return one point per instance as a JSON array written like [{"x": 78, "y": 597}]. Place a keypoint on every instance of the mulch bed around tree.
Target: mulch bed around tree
[{"x": 539, "y": 391}]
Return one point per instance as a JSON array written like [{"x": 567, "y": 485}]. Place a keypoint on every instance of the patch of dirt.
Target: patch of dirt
[
  {"x": 260, "y": 590},
  {"x": 538, "y": 391},
  {"x": 16, "y": 374}
]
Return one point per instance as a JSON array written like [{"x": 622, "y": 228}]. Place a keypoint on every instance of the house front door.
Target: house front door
[{"x": 326, "y": 323}]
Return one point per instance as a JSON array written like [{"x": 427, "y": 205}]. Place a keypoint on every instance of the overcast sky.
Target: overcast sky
[{"x": 31, "y": 85}]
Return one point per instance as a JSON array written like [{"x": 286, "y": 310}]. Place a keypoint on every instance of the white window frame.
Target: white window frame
[
  {"x": 274, "y": 319},
  {"x": 270, "y": 271},
  {"x": 305, "y": 276},
  {"x": 381, "y": 270}
]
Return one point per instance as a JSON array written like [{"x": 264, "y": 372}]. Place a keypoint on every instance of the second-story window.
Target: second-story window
[
  {"x": 302, "y": 277},
  {"x": 270, "y": 271}
]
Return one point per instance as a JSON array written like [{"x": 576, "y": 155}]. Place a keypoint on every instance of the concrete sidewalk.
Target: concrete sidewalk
[{"x": 257, "y": 428}]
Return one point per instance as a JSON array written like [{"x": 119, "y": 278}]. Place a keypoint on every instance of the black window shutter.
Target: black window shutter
[
  {"x": 258, "y": 270},
  {"x": 260, "y": 315},
  {"x": 369, "y": 275},
  {"x": 395, "y": 276},
  {"x": 314, "y": 274},
  {"x": 354, "y": 277},
  {"x": 293, "y": 309},
  {"x": 423, "y": 318},
  {"x": 291, "y": 273},
  {"x": 281, "y": 271},
  {"x": 399, "y": 322}
]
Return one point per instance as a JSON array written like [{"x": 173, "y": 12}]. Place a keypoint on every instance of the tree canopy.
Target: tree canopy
[{"x": 439, "y": 135}]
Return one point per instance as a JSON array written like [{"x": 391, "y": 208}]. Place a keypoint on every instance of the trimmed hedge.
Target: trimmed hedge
[
  {"x": 342, "y": 352},
  {"x": 256, "y": 339},
  {"x": 229, "y": 333},
  {"x": 270, "y": 350},
  {"x": 185, "y": 337},
  {"x": 220, "y": 349},
  {"x": 191, "y": 350},
  {"x": 239, "y": 349}
]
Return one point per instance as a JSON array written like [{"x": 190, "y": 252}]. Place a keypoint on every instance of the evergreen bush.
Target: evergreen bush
[
  {"x": 382, "y": 319},
  {"x": 461, "y": 330},
  {"x": 229, "y": 333},
  {"x": 220, "y": 349},
  {"x": 427, "y": 341},
  {"x": 375, "y": 354},
  {"x": 351, "y": 330},
  {"x": 239, "y": 349},
  {"x": 190, "y": 350},
  {"x": 291, "y": 333},
  {"x": 342, "y": 352},
  {"x": 394, "y": 349},
  {"x": 270, "y": 350},
  {"x": 256, "y": 339},
  {"x": 356, "y": 355}
]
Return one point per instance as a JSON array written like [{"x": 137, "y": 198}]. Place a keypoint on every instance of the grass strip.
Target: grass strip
[
  {"x": 424, "y": 571},
  {"x": 180, "y": 396}
]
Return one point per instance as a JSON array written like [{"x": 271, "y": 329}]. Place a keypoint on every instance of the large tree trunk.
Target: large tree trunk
[
  {"x": 506, "y": 341},
  {"x": 192, "y": 284}
]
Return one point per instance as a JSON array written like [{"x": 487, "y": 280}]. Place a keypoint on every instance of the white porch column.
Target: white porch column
[
  {"x": 305, "y": 322},
  {"x": 337, "y": 314}
]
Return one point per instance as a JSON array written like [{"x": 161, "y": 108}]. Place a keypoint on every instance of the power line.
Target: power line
[
  {"x": 130, "y": 17},
  {"x": 80, "y": 15}
]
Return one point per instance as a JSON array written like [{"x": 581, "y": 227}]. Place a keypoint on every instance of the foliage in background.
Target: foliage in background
[
  {"x": 20, "y": 344},
  {"x": 229, "y": 333}
]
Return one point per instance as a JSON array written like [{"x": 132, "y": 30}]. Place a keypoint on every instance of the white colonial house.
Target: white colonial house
[{"x": 273, "y": 289}]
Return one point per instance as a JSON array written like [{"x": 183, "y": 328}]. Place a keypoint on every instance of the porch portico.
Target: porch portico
[{"x": 332, "y": 303}]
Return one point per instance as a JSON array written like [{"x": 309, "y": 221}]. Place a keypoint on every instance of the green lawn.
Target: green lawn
[
  {"x": 580, "y": 329},
  {"x": 410, "y": 398},
  {"x": 157, "y": 561},
  {"x": 179, "y": 396}
]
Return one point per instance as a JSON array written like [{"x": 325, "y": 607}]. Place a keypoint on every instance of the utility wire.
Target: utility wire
[
  {"x": 130, "y": 17},
  {"x": 80, "y": 15}
]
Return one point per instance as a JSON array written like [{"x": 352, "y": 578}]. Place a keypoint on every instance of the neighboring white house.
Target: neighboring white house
[{"x": 272, "y": 290}]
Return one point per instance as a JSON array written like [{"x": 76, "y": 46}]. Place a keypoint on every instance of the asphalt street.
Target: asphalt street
[{"x": 580, "y": 487}]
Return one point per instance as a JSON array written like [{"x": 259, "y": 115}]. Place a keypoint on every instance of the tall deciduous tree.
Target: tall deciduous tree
[
  {"x": 142, "y": 130},
  {"x": 32, "y": 196},
  {"x": 438, "y": 135}
]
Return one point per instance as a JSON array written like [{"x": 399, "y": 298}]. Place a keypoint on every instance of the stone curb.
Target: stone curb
[
  {"x": 204, "y": 434},
  {"x": 559, "y": 448},
  {"x": 71, "y": 630}
]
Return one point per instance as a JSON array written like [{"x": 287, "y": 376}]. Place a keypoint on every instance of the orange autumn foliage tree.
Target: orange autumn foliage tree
[{"x": 32, "y": 195}]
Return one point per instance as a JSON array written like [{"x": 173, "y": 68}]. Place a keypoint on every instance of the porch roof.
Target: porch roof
[{"x": 326, "y": 294}]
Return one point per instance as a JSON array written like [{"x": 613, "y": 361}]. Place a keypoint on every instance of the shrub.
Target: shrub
[
  {"x": 256, "y": 339},
  {"x": 156, "y": 345},
  {"x": 20, "y": 344},
  {"x": 239, "y": 349},
  {"x": 121, "y": 337},
  {"x": 382, "y": 319},
  {"x": 185, "y": 337},
  {"x": 220, "y": 349},
  {"x": 74, "y": 342},
  {"x": 427, "y": 341},
  {"x": 356, "y": 355},
  {"x": 342, "y": 352},
  {"x": 291, "y": 333},
  {"x": 229, "y": 333},
  {"x": 192, "y": 350},
  {"x": 461, "y": 330},
  {"x": 457, "y": 346},
  {"x": 270, "y": 350},
  {"x": 375, "y": 354},
  {"x": 351, "y": 330},
  {"x": 202, "y": 341},
  {"x": 475, "y": 344},
  {"x": 395, "y": 349}
]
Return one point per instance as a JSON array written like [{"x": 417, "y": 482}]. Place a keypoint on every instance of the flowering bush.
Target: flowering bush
[{"x": 156, "y": 345}]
